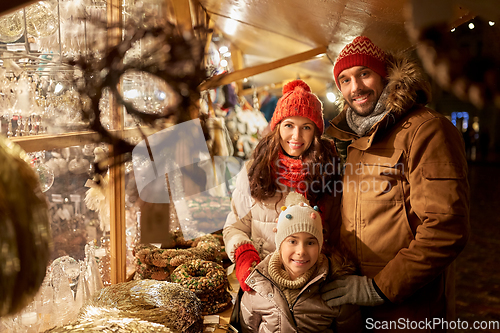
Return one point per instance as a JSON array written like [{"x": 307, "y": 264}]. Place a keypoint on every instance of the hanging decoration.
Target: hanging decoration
[
  {"x": 11, "y": 27},
  {"x": 25, "y": 239},
  {"x": 173, "y": 60},
  {"x": 41, "y": 19}
]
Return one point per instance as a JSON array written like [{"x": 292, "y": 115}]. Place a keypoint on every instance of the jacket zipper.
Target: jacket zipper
[
  {"x": 282, "y": 295},
  {"x": 290, "y": 307},
  {"x": 297, "y": 299}
]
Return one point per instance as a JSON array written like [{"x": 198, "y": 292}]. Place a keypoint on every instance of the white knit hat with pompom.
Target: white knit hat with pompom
[{"x": 298, "y": 216}]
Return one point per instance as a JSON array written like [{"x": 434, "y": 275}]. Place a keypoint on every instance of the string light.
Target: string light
[{"x": 331, "y": 96}]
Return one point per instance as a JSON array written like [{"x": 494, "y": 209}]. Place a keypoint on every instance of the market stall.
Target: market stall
[
  {"x": 88, "y": 87},
  {"x": 50, "y": 53}
]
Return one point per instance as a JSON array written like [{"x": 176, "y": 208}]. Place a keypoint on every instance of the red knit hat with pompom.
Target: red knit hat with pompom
[
  {"x": 298, "y": 100},
  {"x": 360, "y": 52}
]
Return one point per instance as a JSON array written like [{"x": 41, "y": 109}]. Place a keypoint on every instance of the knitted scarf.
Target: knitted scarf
[
  {"x": 291, "y": 288},
  {"x": 290, "y": 173},
  {"x": 361, "y": 125}
]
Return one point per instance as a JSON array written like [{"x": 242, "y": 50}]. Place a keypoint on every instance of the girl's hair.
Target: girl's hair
[{"x": 320, "y": 159}]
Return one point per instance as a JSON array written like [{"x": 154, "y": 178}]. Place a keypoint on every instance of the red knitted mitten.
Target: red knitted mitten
[{"x": 246, "y": 258}]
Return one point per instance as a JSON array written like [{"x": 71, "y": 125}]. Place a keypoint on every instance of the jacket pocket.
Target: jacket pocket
[
  {"x": 382, "y": 172},
  {"x": 445, "y": 188}
]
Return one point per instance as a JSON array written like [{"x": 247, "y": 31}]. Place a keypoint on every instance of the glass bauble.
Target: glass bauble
[
  {"x": 147, "y": 92},
  {"x": 46, "y": 176},
  {"x": 11, "y": 27},
  {"x": 41, "y": 19}
]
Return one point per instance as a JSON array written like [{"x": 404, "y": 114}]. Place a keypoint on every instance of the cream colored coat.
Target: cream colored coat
[{"x": 251, "y": 221}]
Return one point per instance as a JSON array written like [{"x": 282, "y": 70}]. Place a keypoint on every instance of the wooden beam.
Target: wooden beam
[
  {"x": 211, "y": 28},
  {"x": 182, "y": 13},
  {"x": 226, "y": 78},
  {"x": 7, "y": 7},
  {"x": 116, "y": 188},
  {"x": 461, "y": 20},
  {"x": 114, "y": 20},
  {"x": 277, "y": 85},
  {"x": 199, "y": 19},
  {"x": 41, "y": 142},
  {"x": 168, "y": 11},
  {"x": 50, "y": 142}
]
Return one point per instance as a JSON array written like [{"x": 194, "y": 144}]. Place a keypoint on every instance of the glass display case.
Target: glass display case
[{"x": 94, "y": 217}]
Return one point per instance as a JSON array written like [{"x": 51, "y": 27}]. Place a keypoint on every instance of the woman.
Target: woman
[{"x": 292, "y": 157}]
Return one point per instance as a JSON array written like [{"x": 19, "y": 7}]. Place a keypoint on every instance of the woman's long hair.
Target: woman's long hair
[{"x": 320, "y": 159}]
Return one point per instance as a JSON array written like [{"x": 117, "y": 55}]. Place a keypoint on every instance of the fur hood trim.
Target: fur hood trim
[
  {"x": 407, "y": 83},
  {"x": 340, "y": 264}
]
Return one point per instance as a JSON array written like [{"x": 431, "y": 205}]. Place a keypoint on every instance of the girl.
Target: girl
[
  {"x": 287, "y": 283},
  {"x": 292, "y": 157}
]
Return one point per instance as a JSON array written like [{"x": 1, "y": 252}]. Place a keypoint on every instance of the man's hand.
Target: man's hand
[{"x": 352, "y": 289}]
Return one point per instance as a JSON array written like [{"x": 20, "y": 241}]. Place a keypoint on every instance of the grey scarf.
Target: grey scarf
[{"x": 361, "y": 125}]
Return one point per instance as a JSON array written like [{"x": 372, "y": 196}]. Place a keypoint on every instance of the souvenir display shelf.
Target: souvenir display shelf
[
  {"x": 73, "y": 137},
  {"x": 46, "y": 125}
]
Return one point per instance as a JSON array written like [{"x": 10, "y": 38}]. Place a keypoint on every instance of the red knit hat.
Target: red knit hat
[
  {"x": 298, "y": 100},
  {"x": 361, "y": 52}
]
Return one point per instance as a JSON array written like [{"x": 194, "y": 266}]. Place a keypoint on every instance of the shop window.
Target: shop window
[{"x": 460, "y": 119}]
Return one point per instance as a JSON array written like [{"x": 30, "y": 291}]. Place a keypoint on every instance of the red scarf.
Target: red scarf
[{"x": 291, "y": 173}]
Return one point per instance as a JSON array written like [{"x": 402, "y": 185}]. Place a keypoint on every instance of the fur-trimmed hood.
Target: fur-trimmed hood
[{"x": 407, "y": 84}]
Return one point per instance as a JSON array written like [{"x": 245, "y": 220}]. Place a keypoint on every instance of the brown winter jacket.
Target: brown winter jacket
[
  {"x": 406, "y": 200},
  {"x": 267, "y": 309}
]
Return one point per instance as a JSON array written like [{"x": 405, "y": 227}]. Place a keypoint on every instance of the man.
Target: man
[{"x": 406, "y": 196}]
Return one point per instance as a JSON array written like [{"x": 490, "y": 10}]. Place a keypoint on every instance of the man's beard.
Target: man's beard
[{"x": 370, "y": 107}]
